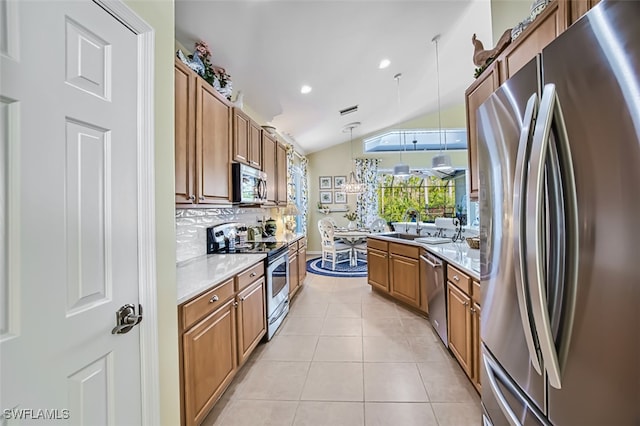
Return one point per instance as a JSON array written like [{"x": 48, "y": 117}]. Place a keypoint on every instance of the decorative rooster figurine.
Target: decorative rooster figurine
[
  {"x": 481, "y": 57},
  {"x": 195, "y": 63}
]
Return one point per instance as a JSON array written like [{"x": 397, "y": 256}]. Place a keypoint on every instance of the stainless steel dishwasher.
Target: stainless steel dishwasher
[{"x": 436, "y": 294}]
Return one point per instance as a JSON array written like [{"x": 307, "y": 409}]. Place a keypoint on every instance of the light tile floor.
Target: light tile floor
[{"x": 347, "y": 356}]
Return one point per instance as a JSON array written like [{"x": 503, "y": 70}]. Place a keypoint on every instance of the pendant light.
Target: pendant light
[
  {"x": 401, "y": 169},
  {"x": 353, "y": 185},
  {"x": 442, "y": 161}
]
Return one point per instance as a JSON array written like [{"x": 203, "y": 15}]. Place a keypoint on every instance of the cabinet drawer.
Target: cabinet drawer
[
  {"x": 460, "y": 280},
  {"x": 404, "y": 250},
  {"x": 377, "y": 244},
  {"x": 302, "y": 243},
  {"x": 293, "y": 249},
  {"x": 475, "y": 291},
  {"x": 206, "y": 303},
  {"x": 250, "y": 275}
]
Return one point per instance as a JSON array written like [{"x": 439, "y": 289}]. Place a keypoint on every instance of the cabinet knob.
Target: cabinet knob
[
  {"x": 455, "y": 277},
  {"x": 202, "y": 198},
  {"x": 242, "y": 299},
  {"x": 253, "y": 274},
  {"x": 192, "y": 197},
  {"x": 466, "y": 303},
  {"x": 215, "y": 298},
  {"x": 235, "y": 304},
  {"x": 473, "y": 311}
]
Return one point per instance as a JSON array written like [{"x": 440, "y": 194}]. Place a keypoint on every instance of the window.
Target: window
[
  {"x": 430, "y": 195},
  {"x": 416, "y": 140}
]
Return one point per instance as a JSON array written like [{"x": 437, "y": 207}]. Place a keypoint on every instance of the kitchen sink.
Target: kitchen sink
[{"x": 402, "y": 236}]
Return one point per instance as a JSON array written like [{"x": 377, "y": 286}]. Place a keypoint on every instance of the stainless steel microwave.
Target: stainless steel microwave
[{"x": 249, "y": 185}]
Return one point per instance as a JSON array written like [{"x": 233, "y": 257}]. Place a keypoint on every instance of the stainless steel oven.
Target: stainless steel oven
[
  {"x": 223, "y": 238},
  {"x": 277, "y": 290}
]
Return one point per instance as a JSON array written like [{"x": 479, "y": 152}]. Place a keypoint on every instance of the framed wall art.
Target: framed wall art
[
  {"x": 338, "y": 181},
  {"x": 326, "y": 197},
  {"x": 325, "y": 182},
  {"x": 340, "y": 197}
]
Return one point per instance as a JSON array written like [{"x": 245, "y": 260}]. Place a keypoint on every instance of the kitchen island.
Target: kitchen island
[{"x": 445, "y": 288}]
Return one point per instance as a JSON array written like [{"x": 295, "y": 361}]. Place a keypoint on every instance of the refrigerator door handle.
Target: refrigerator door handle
[
  {"x": 570, "y": 241},
  {"x": 536, "y": 230},
  {"x": 511, "y": 417},
  {"x": 519, "y": 228}
]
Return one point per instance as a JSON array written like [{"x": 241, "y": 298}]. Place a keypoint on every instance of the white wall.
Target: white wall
[
  {"x": 336, "y": 161},
  {"x": 506, "y": 14}
]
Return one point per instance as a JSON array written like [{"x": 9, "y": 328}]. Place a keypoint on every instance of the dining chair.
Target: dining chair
[
  {"x": 378, "y": 225},
  {"x": 331, "y": 248}
]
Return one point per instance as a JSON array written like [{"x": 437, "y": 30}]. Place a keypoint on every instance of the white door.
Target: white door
[{"x": 68, "y": 93}]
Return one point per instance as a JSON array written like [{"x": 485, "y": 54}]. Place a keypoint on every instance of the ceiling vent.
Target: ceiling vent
[{"x": 349, "y": 110}]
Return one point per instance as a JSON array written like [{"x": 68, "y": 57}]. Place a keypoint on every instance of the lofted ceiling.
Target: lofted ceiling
[{"x": 272, "y": 47}]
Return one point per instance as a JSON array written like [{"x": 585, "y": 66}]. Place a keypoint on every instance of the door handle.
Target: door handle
[
  {"x": 519, "y": 228},
  {"x": 535, "y": 239},
  {"x": 126, "y": 319}
]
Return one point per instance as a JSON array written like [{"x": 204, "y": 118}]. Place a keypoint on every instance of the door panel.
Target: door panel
[
  {"x": 75, "y": 261},
  {"x": 601, "y": 369},
  {"x": 500, "y": 123}
]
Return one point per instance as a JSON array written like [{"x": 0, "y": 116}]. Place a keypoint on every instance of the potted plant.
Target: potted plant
[{"x": 351, "y": 217}]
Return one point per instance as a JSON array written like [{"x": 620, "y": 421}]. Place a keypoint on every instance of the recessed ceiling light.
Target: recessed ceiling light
[
  {"x": 305, "y": 89},
  {"x": 384, "y": 63}
]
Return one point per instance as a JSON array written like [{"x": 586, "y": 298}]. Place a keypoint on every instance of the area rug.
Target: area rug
[{"x": 314, "y": 266}]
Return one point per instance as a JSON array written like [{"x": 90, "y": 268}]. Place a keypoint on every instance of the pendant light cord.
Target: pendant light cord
[
  {"x": 397, "y": 77},
  {"x": 435, "y": 40}
]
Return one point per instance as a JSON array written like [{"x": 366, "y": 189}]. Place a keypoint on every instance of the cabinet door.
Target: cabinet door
[
  {"x": 252, "y": 322},
  {"x": 213, "y": 138},
  {"x": 577, "y": 8},
  {"x": 185, "y": 123},
  {"x": 240, "y": 137},
  {"x": 255, "y": 145},
  {"x": 405, "y": 279},
  {"x": 281, "y": 163},
  {"x": 302, "y": 265},
  {"x": 475, "y": 337},
  {"x": 378, "y": 269},
  {"x": 479, "y": 92},
  {"x": 459, "y": 324},
  {"x": 210, "y": 361},
  {"x": 542, "y": 31},
  {"x": 293, "y": 273},
  {"x": 269, "y": 166}
]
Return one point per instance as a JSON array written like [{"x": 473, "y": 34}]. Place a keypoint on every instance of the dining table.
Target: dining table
[{"x": 352, "y": 237}]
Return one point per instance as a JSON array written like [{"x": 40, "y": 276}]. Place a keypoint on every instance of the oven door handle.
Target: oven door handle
[{"x": 280, "y": 312}]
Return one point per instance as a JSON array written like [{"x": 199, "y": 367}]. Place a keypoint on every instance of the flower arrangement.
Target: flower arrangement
[
  {"x": 213, "y": 72},
  {"x": 351, "y": 216}
]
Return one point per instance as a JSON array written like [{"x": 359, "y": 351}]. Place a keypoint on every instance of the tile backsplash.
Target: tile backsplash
[{"x": 192, "y": 224}]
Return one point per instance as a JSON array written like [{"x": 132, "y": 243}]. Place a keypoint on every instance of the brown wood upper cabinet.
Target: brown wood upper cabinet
[
  {"x": 247, "y": 140},
  {"x": 475, "y": 95},
  {"x": 281, "y": 174},
  {"x": 542, "y": 31},
  {"x": 269, "y": 144},
  {"x": 202, "y": 140}
]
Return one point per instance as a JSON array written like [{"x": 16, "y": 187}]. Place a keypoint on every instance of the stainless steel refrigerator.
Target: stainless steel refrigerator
[{"x": 559, "y": 164}]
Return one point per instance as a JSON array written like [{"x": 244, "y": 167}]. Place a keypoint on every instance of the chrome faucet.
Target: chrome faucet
[{"x": 412, "y": 213}]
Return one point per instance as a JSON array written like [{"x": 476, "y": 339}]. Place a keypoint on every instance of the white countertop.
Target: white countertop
[
  {"x": 458, "y": 254},
  {"x": 197, "y": 275}
]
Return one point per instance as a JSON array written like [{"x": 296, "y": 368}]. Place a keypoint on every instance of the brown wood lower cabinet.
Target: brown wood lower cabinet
[
  {"x": 297, "y": 265},
  {"x": 463, "y": 322},
  {"x": 459, "y": 324},
  {"x": 252, "y": 319},
  {"x": 209, "y": 361},
  {"x": 377, "y": 264},
  {"x": 218, "y": 331},
  {"x": 405, "y": 279}
]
